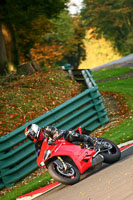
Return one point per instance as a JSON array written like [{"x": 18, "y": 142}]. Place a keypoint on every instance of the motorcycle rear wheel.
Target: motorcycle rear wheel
[
  {"x": 71, "y": 178},
  {"x": 112, "y": 155}
]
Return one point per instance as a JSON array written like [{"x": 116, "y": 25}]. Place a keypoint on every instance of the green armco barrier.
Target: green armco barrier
[
  {"x": 17, "y": 154},
  {"x": 66, "y": 67}
]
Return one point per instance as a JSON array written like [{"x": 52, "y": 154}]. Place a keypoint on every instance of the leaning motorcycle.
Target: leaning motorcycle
[{"x": 66, "y": 161}]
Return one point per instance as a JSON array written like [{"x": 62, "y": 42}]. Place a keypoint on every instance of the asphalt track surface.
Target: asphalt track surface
[{"x": 111, "y": 182}]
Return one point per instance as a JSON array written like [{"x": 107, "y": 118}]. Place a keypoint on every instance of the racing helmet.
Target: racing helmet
[{"x": 32, "y": 131}]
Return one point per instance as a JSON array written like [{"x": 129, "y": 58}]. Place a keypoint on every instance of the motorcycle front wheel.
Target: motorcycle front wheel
[
  {"x": 67, "y": 177},
  {"x": 111, "y": 151}
]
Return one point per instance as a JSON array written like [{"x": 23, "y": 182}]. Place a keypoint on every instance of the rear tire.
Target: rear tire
[
  {"x": 112, "y": 155},
  {"x": 60, "y": 176}
]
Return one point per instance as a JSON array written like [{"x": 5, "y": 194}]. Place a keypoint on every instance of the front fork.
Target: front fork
[{"x": 60, "y": 162}]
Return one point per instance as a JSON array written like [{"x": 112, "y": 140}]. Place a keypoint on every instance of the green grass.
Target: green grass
[
  {"x": 124, "y": 130},
  {"x": 121, "y": 133},
  {"x": 34, "y": 184},
  {"x": 110, "y": 73}
]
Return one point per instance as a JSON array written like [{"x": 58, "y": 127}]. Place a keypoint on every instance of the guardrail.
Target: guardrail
[
  {"x": 81, "y": 75},
  {"x": 88, "y": 78},
  {"x": 17, "y": 154}
]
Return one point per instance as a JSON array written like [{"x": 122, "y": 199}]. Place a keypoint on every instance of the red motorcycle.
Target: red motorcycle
[{"x": 66, "y": 161}]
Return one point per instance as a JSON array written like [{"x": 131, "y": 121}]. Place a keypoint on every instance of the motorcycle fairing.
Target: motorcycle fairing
[{"x": 80, "y": 156}]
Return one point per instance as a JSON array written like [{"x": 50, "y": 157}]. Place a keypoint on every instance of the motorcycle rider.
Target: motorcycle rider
[{"x": 37, "y": 135}]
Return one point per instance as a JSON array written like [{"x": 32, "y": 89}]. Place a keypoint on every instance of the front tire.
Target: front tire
[
  {"x": 111, "y": 155},
  {"x": 69, "y": 177}
]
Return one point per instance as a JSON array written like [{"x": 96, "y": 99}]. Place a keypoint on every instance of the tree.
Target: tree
[
  {"x": 19, "y": 15},
  {"x": 49, "y": 47},
  {"x": 47, "y": 54},
  {"x": 74, "y": 51},
  {"x": 3, "y": 56},
  {"x": 62, "y": 43},
  {"x": 70, "y": 32},
  {"x": 111, "y": 19}
]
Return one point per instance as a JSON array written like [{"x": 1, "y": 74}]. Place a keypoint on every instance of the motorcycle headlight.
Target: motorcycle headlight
[{"x": 47, "y": 154}]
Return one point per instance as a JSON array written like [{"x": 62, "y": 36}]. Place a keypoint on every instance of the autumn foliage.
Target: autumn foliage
[
  {"x": 27, "y": 97},
  {"x": 50, "y": 41},
  {"x": 47, "y": 53}
]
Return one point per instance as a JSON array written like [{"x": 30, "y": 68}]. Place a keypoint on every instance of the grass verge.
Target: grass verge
[
  {"x": 34, "y": 184},
  {"x": 124, "y": 130},
  {"x": 111, "y": 73}
]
